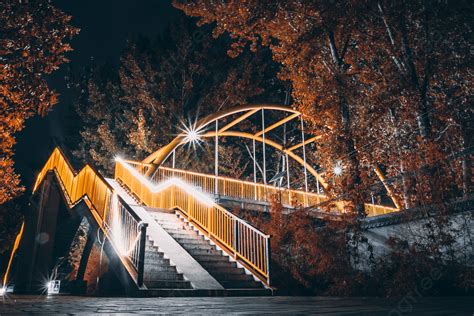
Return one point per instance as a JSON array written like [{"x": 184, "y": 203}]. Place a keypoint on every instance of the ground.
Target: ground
[{"x": 410, "y": 305}]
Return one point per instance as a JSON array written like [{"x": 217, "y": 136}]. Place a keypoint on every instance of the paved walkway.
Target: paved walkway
[{"x": 55, "y": 305}]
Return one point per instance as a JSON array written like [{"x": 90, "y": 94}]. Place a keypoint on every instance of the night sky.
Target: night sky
[{"x": 105, "y": 27}]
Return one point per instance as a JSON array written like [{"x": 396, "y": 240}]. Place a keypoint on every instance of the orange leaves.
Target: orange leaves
[
  {"x": 378, "y": 74},
  {"x": 32, "y": 37},
  {"x": 9, "y": 181}
]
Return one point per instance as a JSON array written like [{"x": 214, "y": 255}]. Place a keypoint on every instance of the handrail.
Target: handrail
[
  {"x": 248, "y": 190},
  {"x": 238, "y": 238},
  {"x": 16, "y": 244},
  {"x": 118, "y": 221}
]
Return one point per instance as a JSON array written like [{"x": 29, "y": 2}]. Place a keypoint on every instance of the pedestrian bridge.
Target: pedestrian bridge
[{"x": 166, "y": 226}]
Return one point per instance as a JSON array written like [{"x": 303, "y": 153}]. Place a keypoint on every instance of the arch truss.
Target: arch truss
[{"x": 228, "y": 123}]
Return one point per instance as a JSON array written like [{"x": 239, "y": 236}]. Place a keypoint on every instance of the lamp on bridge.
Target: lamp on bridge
[{"x": 192, "y": 134}]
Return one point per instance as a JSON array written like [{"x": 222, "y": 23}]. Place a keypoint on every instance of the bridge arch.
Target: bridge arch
[{"x": 246, "y": 111}]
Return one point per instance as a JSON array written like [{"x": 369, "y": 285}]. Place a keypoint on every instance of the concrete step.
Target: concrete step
[
  {"x": 157, "y": 268},
  {"x": 232, "y": 277},
  {"x": 185, "y": 235},
  {"x": 149, "y": 248},
  {"x": 178, "y": 230},
  {"x": 156, "y": 210},
  {"x": 227, "y": 273},
  {"x": 228, "y": 270},
  {"x": 168, "y": 284},
  {"x": 173, "y": 228},
  {"x": 201, "y": 258},
  {"x": 241, "y": 284},
  {"x": 158, "y": 275},
  {"x": 165, "y": 217},
  {"x": 199, "y": 252},
  {"x": 201, "y": 246},
  {"x": 217, "y": 264},
  {"x": 154, "y": 255},
  {"x": 192, "y": 241}
]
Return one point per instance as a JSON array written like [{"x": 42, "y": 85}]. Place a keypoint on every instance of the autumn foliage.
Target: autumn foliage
[
  {"x": 33, "y": 43},
  {"x": 385, "y": 83}
]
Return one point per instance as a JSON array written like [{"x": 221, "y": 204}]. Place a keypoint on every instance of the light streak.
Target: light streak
[{"x": 155, "y": 188}]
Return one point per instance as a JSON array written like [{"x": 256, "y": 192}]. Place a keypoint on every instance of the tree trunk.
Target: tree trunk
[
  {"x": 405, "y": 180},
  {"x": 350, "y": 149},
  {"x": 346, "y": 125},
  {"x": 405, "y": 186},
  {"x": 466, "y": 163}
]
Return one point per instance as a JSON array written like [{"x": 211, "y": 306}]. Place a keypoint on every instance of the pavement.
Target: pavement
[{"x": 67, "y": 305}]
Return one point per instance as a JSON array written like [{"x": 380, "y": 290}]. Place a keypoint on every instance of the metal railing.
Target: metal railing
[
  {"x": 129, "y": 233},
  {"x": 244, "y": 242},
  {"x": 118, "y": 221},
  {"x": 16, "y": 244},
  {"x": 246, "y": 190}
]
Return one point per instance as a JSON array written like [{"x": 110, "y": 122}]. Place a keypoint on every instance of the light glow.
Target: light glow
[
  {"x": 192, "y": 133},
  {"x": 155, "y": 188},
  {"x": 3, "y": 290},
  {"x": 53, "y": 287},
  {"x": 338, "y": 169},
  {"x": 116, "y": 225}
]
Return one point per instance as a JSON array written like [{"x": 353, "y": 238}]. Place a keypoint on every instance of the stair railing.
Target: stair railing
[
  {"x": 119, "y": 222},
  {"x": 128, "y": 232},
  {"x": 245, "y": 243}
]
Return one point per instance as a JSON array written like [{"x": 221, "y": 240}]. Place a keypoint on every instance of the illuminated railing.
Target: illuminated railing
[
  {"x": 374, "y": 209},
  {"x": 16, "y": 244},
  {"x": 246, "y": 190},
  {"x": 239, "y": 239},
  {"x": 117, "y": 220}
]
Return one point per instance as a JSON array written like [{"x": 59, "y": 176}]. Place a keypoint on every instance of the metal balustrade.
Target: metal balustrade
[
  {"x": 246, "y": 190},
  {"x": 118, "y": 221},
  {"x": 16, "y": 244},
  {"x": 244, "y": 242}
]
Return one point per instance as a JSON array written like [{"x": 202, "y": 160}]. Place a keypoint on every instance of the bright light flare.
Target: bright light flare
[
  {"x": 53, "y": 287},
  {"x": 192, "y": 133},
  {"x": 338, "y": 169},
  {"x": 3, "y": 291}
]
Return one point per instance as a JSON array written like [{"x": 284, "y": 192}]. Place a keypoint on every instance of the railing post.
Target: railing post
[
  {"x": 236, "y": 236},
  {"x": 268, "y": 260},
  {"x": 141, "y": 253},
  {"x": 209, "y": 220}
]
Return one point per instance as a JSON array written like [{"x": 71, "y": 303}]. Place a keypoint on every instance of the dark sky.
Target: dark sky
[{"x": 105, "y": 26}]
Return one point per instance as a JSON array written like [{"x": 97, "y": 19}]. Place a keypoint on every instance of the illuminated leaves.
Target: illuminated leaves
[
  {"x": 32, "y": 41},
  {"x": 381, "y": 81}
]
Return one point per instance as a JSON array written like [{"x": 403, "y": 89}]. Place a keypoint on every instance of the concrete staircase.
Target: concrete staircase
[
  {"x": 213, "y": 260},
  {"x": 159, "y": 273}
]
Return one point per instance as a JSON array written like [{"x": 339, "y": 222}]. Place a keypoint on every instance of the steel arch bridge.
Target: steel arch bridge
[
  {"x": 149, "y": 207},
  {"x": 209, "y": 128}
]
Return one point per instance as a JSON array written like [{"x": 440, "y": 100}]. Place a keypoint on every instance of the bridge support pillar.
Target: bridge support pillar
[{"x": 37, "y": 245}]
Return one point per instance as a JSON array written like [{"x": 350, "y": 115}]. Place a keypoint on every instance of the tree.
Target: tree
[
  {"x": 160, "y": 85},
  {"x": 376, "y": 79},
  {"x": 417, "y": 76},
  {"x": 33, "y": 37}
]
